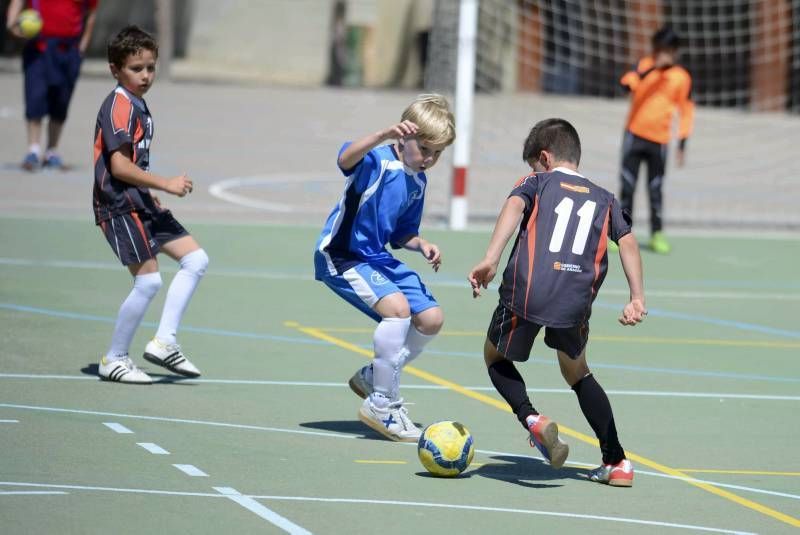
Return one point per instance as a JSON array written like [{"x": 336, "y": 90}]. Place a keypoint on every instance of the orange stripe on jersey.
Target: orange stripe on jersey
[
  {"x": 139, "y": 225},
  {"x": 601, "y": 249},
  {"x": 519, "y": 182},
  {"x": 531, "y": 246},
  {"x": 121, "y": 110},
  {"x": 511, "y": 332},
  {"x": 98, "y": 145}
]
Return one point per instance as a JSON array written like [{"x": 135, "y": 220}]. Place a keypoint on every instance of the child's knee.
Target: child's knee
[
  {"x": 429, "y": 322},
  {"x": 196, "y": 262},
  {"x": 148, "y": 284}
]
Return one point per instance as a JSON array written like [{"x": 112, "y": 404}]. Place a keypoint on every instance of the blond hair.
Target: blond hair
[{"x": 435, "y": 122}]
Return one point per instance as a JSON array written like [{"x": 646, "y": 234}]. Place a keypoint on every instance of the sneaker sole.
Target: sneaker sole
[
  {"x": 559, "y": 451},
  {"x": 149, "y": 357},
  {"x": 356, "y": 389},
  {"x": 382, "y": 430},
  {"x": 620, "y": 482}
]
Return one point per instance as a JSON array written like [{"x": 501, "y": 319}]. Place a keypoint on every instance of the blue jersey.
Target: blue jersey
[{"x": 382, "y": 204}]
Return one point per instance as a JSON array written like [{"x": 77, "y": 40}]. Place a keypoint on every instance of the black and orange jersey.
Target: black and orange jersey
[
  {"x": 656, "y": 94},
  {"x": 123, "y": 119},
  {"x": 559, "y": 257}
]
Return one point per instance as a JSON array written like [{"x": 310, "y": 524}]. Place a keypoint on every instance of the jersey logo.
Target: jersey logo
[
  {"x": 377, "y": 279},
  {"x": 573, "y": 187},
  {"x": 417, "y": 194},
  {"x": 574, "y": 268}
]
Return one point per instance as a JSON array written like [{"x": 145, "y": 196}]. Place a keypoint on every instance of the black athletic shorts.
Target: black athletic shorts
[
  {"x": 136, "y": 237},
  {"x": 513, "y": 336}
]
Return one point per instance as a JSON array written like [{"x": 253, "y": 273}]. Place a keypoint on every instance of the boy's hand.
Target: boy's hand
[
  {"x": 431, "y": 253},
  {"x": 481, "y": 275},
  {"x": 15, "y": 30},
  {"x": 400, "y": 130},
  {"x": 179, "y": 185},
  {"x": 633, "y": 313}
]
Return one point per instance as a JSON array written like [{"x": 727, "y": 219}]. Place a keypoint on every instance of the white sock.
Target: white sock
[
  {"x": 131, "y": 312},
  {"x": 389, "y": 340},
  {"x": 415, "y": 343},
  {"x": 35, "y": 148},
  {"x": 193, "y": 267}
]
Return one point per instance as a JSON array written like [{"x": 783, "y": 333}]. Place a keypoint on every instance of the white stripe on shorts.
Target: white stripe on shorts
[
  {"x": 361, "y": 286},
  {"x": 133, "y": 243}
]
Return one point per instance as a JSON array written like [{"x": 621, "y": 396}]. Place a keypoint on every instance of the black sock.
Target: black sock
[
  {"x": 597, "y": 410},
  {"x": 509, "y": 383}
]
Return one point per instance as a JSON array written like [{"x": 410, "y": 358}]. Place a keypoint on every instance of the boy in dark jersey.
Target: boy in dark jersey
[
  {"x": 135, "y": 224},
  {"x": 553, "y": 274}
]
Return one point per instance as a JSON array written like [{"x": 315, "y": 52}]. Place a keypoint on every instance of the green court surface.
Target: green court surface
[{"x": 706, "y": 395}]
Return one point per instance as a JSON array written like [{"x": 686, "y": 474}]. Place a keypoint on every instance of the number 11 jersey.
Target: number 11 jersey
[{"x": 559, "y": 258}]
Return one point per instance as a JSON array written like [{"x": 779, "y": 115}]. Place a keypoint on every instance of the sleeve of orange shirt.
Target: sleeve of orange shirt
[{"x": 686, "y": 111}]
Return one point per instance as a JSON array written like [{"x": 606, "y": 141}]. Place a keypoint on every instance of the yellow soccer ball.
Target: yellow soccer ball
[
  {"x": 30, "y": 23},
  {"x": 445, "y": 448}
]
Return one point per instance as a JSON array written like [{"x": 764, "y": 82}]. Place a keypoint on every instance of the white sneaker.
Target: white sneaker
[
  {"x": 123, "y": 371},
  {"x": 359, "y": 384},
  {"x": 170, "y": 357},
  {"x": 392, "y": 421}
]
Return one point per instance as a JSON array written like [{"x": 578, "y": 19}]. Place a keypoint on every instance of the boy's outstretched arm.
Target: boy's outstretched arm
[
  {"x": 634, "y": 312},
  {"x": 507, "y": 222},
  {"x": 357, "y": 149},
  {"x": 123, "y": 168},
  {"x": 429, "y": 250}
]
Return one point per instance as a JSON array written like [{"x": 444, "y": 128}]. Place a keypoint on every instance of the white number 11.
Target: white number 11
[{"x": 564, "y": 212}]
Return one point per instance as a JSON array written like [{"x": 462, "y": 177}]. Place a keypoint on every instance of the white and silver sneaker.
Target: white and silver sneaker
[
  {"x": 170, "y": 357},
  {"x": 392, "y": 421},
  {"x": 122, "y": 371},
  {"x": 360, "y": 384}
]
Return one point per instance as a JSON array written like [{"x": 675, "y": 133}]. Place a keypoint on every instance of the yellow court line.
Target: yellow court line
[
  {"x": 625, "y": 339},
  {"x": 503, "y": 406},
  {"x": 738, "y": 472}
]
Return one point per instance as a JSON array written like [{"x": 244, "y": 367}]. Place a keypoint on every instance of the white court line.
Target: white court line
[
  {"x": 352, "y": 437},
  {"x": 117, "y": 428},
  {"x": 30, "y": 492},
  {"x": 9, "y": 421},
  {"x": 644, "y": 393},
  {"x": 384, "y": 502},
  {"x": 176, "y": 420},
  {"x": 155, "y": 449},
  {"x": 308, "y": 277},
  {"x": 264, "y": 512},
  {"x": 190, "y": 470}
]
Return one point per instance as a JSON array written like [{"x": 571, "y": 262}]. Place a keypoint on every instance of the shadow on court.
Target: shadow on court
[
  {"x": 348, "y": 427},
  {"x": 158, "y": 378},
  {"x": 523, "y": 471}
]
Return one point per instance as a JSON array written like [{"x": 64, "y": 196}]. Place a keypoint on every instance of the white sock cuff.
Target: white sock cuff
[
  {"x": 148, "y": 284},
  {"x": 416, "y": 340},
  {"x": 196, "y": 262}
]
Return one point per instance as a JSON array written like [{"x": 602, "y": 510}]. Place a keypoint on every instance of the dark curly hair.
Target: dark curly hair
[{"x": 130, "y": 41}]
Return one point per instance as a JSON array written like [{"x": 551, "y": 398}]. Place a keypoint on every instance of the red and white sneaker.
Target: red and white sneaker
[
  {"x": 615, "y": 475},
  {"x": 544, "y": 437}
]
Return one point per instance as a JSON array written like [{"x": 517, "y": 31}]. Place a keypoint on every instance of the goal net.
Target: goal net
[{"x": 534, "y": 57}]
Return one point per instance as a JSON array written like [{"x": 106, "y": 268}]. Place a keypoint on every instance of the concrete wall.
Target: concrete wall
[{"x": 284, "y": 41}]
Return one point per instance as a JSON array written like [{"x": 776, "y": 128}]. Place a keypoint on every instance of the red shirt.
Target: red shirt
[{"x": 62, "y": 18}]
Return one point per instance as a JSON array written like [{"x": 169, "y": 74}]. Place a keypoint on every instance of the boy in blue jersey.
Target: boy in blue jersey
[
  {"x": 135, "y": 224},
  {"x": 559, "y": 260},
  {"x": 382, "y": 204}
]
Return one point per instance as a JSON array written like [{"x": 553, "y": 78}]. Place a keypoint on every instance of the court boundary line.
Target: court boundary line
[
  {"x": 318, "y": 384},
  {"x": 381, "y": 502},
  {"x": 333, "y": 435},
  {"x": 503, "y": 406}
]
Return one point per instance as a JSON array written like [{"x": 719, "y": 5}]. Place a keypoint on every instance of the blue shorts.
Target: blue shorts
[
  {"x": 363, "y": 285},
  {"x": 51, "y": 68}
]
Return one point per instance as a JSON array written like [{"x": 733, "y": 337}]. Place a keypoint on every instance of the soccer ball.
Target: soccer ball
[
  {"x": 445, "y": 448},
  {"x": 30, "y": 23}
]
